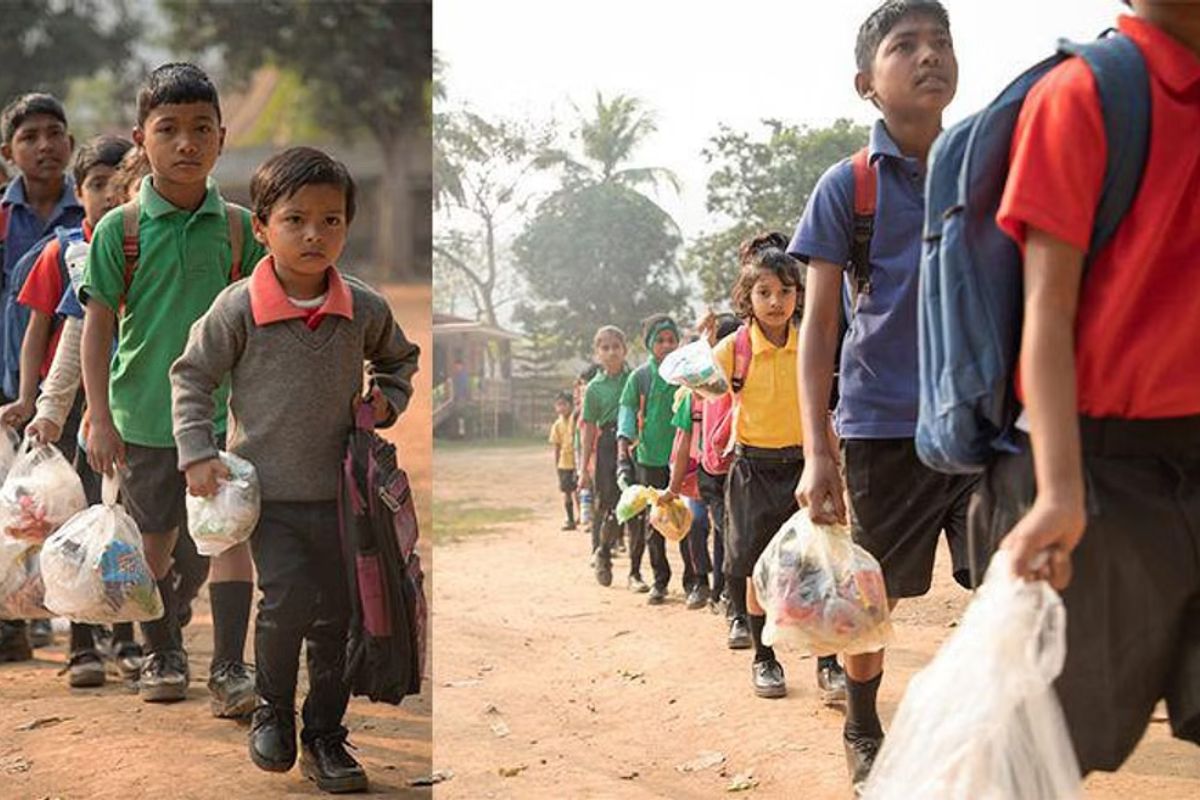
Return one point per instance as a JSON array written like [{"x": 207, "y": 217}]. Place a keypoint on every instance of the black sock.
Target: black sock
[
  {"x": 569, "y": 505},
  {"x": 761, "y": 651},
  {"x": 862, "y": 718},
  {"x": 231, "y": 614},
  {"x": 123, "y": 633},
  {"x": 82, "y": 637},
  {"x": 163, "y": 634},
  {"x": 826, "y": 661},
  {"x": 737, "y": 594}
]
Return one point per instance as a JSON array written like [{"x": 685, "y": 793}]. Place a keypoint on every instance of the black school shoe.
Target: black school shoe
[
  {"x": 603, "y": 568},
  {"x": 326, "y": 761},
  {"x": 273, "y": 738},
  {"x": 41, "y": 633},
  {"x": 698, "y": 596},
  {"x": 657, "y": 596},
  {"x": 164, "y": 677},
  {"x": 85, "y": 669},
  {"x": 768, "y": 679},
  {"x": 860, "y": 757},
  {"x": 739, "y": 634},
  {"x": 831, "y": 681},
  {"x": 14, "y": 642},
  {"x": 231, "y": 690}
]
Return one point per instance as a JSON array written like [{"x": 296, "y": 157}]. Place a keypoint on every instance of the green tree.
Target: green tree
[
  {"x": 368, "y": 66},
  {"x": 761, "y": 184},
  {"x": 598, "y": 251},
  {"x": 484, "y": 169},
  {"x": 47, "y": 44}
]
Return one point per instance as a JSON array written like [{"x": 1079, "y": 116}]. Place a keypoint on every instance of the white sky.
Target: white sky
[{"x": 705, "y": 62}]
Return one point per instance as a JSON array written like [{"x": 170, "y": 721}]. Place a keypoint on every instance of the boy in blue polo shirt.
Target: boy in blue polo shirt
[
  {"x": 188, "y": 252},
  {"x": 898, "y": 506},
  {"x": 41, "y": 198}
]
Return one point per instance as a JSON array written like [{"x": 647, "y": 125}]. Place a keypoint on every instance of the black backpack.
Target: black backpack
[{"x": 386, "y": 647}]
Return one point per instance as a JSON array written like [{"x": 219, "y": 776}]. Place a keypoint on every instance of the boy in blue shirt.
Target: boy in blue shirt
[
  {"x": 898, "y": 506},
  {"x": 41, "y": 198}
]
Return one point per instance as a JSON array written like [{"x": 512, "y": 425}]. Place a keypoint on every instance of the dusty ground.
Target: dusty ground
[
  {"x": 109, "y": 744},
  {"x": 574, "y": 690}
]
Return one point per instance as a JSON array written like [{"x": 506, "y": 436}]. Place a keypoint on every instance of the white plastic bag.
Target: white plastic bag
[
  {"x": 821, "y": 592},
  {"x": 95, "y": 567},
  {"x": 693, "y": 366},
  {"x": 22, "y": 593},
  {"x": 1008, "y": 739},
  {"x": 9, "y": 442},
  {"x": 40, "y": 492},
  {"x": 227, "y": 518}
]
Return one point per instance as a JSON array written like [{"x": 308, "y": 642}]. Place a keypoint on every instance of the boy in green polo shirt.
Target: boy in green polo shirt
[
  {"x": 645, "y": 436},
  {"x": 184, "y": 257}
]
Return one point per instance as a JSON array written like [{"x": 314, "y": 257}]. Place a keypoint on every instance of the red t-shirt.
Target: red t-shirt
[
  {"x": 43, "y": 291},
  {"x": 1138, "y": 326}
]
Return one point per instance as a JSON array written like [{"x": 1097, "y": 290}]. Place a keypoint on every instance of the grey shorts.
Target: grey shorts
[
  {"x": 898, "y": 509},
  {"x": 1133, "y": 605}
]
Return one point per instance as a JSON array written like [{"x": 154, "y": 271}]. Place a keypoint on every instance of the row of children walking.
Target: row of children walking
[
  {"x": 1098, "y": 488},
  {"x": 196, "y": 326}
]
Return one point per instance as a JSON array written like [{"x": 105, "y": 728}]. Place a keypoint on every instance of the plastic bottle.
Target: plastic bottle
[
  {"x": 76, "y": 259},
  {"x": 585, "y": 506}
]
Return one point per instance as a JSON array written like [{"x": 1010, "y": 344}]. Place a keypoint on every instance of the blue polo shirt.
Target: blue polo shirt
[
  {"x": 25, "y": 229},
  {"x": 878, "y": 380}
]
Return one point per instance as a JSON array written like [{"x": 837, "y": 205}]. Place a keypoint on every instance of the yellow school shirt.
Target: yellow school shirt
[
  {"x": 769, "y": 403},
  {"x": 563, "y": 435}
]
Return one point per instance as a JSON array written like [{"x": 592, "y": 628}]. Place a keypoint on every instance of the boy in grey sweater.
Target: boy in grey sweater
[{"x": 293, "y": 339}]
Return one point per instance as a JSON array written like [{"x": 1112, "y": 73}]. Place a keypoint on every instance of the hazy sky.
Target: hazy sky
[{"x": 701, "y": 63}]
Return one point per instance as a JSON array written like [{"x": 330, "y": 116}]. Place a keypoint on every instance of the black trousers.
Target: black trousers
[
  {"x": 301, "y": 573},
  {"x": 643, "y": 537},
  {"x": 712, "y": 492}
]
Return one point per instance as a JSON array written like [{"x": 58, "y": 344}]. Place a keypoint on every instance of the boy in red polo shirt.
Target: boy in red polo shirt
[
  {"x": 293, "y": 339},
  {"x": 1111, "y": 387}
]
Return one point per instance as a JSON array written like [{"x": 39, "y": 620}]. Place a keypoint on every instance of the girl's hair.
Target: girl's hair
[
  {"x": 609, "y": 330},
  {"x": 129, "y": 173},
  {"x": 766, "y": 251}
]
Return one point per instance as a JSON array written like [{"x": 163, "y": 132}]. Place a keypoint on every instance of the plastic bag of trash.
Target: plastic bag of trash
[
  {"x": 1008, "y": 740},
  {"x": 227, "y": 518},
  {"x": 693, "y": 366},
  {"x": 673, "y": 520},
  {"x": 22, "y": 592},
  {"x": 9, "y": 442},
  {"x": 40, "y": 492},
  {"x": 95, "y": 567},
  {"x": 821, "y": 592},
  {"x": 634, "y": 500}
]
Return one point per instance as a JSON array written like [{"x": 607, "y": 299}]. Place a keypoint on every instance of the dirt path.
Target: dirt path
[
  {"x": 586, "y": 692},
  {"x": 109, "y": 744}
]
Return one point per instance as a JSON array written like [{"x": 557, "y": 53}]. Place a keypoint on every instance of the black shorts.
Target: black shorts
[
  {"x": 606, "y": 492},
  {"x": 566, "y": 481},
  {"x": 712, "y": 494},
  {"x": 899, "y": 507},
  {"x": 1133, "y": 605},
  {"x": 760, "y": 495},
  {"x": 154, "y": 489}
]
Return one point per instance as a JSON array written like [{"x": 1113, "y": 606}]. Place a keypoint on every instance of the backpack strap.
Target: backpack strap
[
  {"x": 864, "y": 222},
  {"x": 233, "y": 215},
  {"x": 645, "y": 382},
  {"x": 1123, "y": 83},
  {"x": 743, "y": 352},
  {"x": 130, "y": 212}
]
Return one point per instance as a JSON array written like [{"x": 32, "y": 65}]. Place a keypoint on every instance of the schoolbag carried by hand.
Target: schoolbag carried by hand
[
  {"x": 971, "y": 289},
  {"x": 386, "y": 648}
]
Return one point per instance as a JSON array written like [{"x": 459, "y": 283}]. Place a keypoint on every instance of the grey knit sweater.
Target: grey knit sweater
[{"x": 292, "y": 388}]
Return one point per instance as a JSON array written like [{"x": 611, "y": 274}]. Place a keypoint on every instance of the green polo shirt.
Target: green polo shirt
[
  {"x": 183, "y": 264},
  {"x": 656, "y": 435},
  {"x": 681, "y": 419},
  {"x": 602, "y": 397}
]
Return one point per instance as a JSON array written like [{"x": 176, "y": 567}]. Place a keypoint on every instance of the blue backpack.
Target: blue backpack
[
  {"x": 971, "y": 289},
  {"x": 16, "y": 316}
]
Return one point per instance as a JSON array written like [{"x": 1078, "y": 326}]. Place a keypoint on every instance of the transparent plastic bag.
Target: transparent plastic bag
[
  {"x": 673, "y": 520},
  {"x": 9, "y": 442},
  {"x": 1008, "y": 740},
  {"x": 634, "y": 500},
  {"x": 821, "y": 592},
  {"x": 95, "y": 567},
  {"x": 40, "y": 492},
  {"x": 694, "y": 366},
  {"x": 227, "y": 518},
  {"x": 22, "y": 592}
]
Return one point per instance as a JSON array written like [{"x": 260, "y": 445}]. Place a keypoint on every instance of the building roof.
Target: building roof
[{"x": 448, "y": 325}]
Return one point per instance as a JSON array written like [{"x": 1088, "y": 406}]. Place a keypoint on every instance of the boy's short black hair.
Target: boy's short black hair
[
  {"x": 26, "y": 106},
  {"x": 101, "y": 151},
  {"x": 283, "y": 174},
  {"x": 177, "y": 82},
  {"x": 766, "y": 251},
  {"x": 887, "y": 16}
]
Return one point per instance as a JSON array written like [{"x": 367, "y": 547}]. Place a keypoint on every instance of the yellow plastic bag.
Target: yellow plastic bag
[
  {"x": 673, "y": 520},
  {"x": 634, "y": 500}
]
